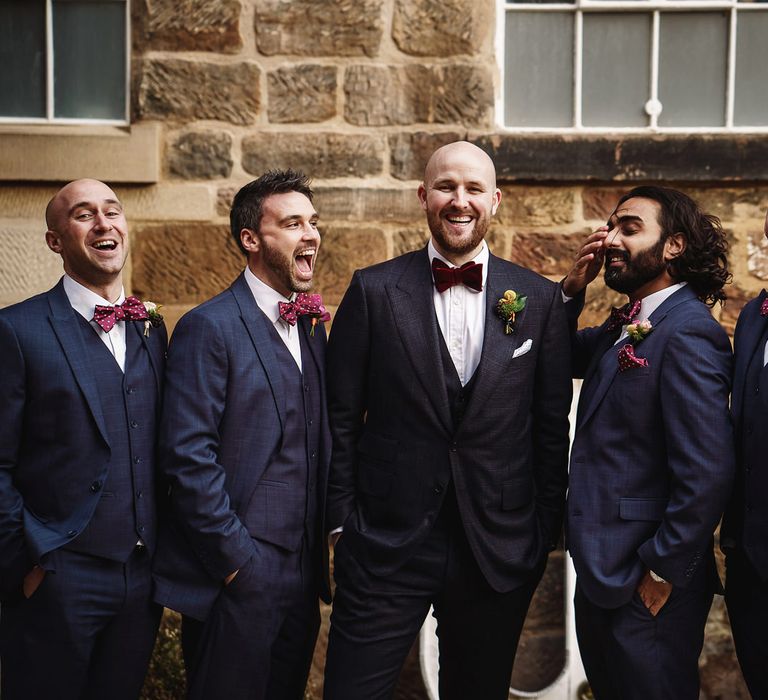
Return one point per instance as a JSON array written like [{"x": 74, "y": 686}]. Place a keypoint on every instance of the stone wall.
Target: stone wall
[{"x": 357, "y": 93}]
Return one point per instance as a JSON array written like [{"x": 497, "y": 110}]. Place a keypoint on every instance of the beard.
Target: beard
[
  {"x": 457, "y": 245},
  {"x": 638, "y": 270},
  {"x": 283, "y": 268}
]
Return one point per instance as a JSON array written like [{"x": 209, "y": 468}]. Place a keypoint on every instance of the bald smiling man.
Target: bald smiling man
[
  {"x": 450, "y": 444},
  {"x": 78, "y": 408}
]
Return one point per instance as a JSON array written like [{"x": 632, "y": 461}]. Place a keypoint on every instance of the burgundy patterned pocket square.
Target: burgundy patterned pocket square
[{"x": 627, "y": 359}]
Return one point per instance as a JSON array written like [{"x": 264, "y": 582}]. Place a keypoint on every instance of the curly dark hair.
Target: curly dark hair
[
  {"x": 704, "y": 262},
  {"x": 249, "y": 201}
]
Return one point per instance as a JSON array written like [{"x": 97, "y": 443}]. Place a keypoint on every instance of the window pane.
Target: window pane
[
  {"x": 616, "y": 69},
  {"x": 538, "y": 69},
  {"x": 750, "y": 106},
  {"x": 22, "y": 57},
  {"x": 90, "y": 55},
  {"x": 692, "y": 68}
]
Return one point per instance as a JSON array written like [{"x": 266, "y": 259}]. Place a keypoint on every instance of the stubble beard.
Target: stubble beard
[
  {"x": 451, "y": 244},
  {"x": 283, "y": 268}
]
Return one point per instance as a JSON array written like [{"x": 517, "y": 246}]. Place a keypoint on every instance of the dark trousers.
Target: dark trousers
[
  {"x": 630, "y": 655},
  {"x": 259, "y": 638},
  {"x": 87, "y": 632},
  {"x": 746, "y": 596},
  {"x": 375, "y": 621}
]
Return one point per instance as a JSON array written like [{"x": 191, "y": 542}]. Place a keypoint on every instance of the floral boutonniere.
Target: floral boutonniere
[
  {"x": 510, "y": 305},
  {"x": 154, "y": 317},
  {"x": 639, "y": 330}
]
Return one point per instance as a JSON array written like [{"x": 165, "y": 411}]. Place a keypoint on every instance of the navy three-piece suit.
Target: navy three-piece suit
[
  {"x": 77, "y": 494},
  {"x": 744, "y": 535},
  {"x": 244, "y": 449},
  {"x": 651, "y": 470}
]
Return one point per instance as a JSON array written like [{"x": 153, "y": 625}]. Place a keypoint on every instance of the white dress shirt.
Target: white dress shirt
[
  {"x": 650, "y": 303},
  {"x": 84, "y": 301},
  {"x": 461, "y": 316},
  {"x": 267, "y": 299}
]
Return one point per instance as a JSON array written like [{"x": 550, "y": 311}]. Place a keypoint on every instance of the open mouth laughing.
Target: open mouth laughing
[{"x": 305, "y": 262}]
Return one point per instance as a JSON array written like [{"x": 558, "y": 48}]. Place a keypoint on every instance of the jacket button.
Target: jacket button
[
  {"x": 71, "y": 533},
  {"x": 438, "y": 489},
  {"x": 96, "y": 486},
  {"x": 134, "y": 424}
]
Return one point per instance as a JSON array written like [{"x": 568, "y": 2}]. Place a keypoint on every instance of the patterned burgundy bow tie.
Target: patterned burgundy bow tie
[
  {"x": 621, "y": 317},
  {"x": 130, "y": 310},
  {"x": 764, "y": 307},
  {"x": 303, "y": 304},
  {"x": 469, "y": 274}
]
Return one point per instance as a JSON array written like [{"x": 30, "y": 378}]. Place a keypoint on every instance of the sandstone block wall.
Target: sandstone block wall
[{"x": 357, "y": 93}]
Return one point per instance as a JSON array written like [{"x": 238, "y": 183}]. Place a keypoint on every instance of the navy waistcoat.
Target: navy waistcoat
[
  {"x": 126, "y": 511},
  {"x": 293, "y": 469}
]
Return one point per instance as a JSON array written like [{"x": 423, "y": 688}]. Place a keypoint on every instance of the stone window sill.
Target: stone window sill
[
  {"x": 64, "y": 153},
  {"x": 699, "y": 158}
]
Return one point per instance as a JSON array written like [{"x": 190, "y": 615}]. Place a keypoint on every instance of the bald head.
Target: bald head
[
  {"x": 464, "y": 153},
  {"x": 69, "y": 195},
  {"x": 459, "y": 196}
]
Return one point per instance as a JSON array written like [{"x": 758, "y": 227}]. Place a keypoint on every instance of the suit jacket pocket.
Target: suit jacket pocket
[
  {"x": 517, "y": 493},
  {"x": 642, "y": 508},
  {"x": 377, "y": 447},
  {"x": 374, "y": 470},
  {"x": 374, "y": 481}
]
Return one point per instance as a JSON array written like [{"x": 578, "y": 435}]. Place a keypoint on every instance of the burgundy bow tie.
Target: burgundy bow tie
[
  {"x": 303, "y": 304},
  {"x": 764, "y": 307},
  {"x": 621, "y": 317},
  {"x": 469, "y": 274},
  {"x": 130, "y": 310}
]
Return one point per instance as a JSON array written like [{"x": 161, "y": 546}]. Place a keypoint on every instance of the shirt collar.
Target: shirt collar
[
  {"x": 481, "y": 258},
  {"x": 83, "y": 300},
  {"x": 653, "y": 301},
  {"x": 266, "y": 297}
]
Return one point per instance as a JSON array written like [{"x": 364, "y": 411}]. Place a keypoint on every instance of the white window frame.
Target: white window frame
[
  {"x": 49, "y": 96},
  {"x": 654, "y": 7}
]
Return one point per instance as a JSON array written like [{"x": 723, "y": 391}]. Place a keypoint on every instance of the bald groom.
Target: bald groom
[{"x": 450, "y": 443}]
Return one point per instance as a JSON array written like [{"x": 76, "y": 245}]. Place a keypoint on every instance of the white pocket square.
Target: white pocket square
[{"x": 524, "y": 348}]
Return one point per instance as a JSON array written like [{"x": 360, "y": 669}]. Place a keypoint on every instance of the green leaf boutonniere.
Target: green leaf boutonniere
[
  {"x": 510, "y": 305},
  {"x": 639, "y": 330},
  {"x": 154, "y": 319}
]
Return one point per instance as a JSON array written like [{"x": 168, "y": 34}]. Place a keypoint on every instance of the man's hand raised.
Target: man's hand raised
[{"x": 589, "y": 262}]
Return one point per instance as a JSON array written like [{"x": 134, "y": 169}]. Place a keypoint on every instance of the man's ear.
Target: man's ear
[
  {"x": 496, "y": 201},
  {"x": 422, "y": 192},
  {"x": 674, "y": 246},
  {"x": 52, "y": 241},
  {"x": 250, "y": 241}
]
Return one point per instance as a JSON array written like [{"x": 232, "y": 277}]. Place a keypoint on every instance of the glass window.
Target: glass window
[
  {"x": 649, "y": 65},
  {"x": 544, "y": 40},
  {"x": 66, "y": 60}
]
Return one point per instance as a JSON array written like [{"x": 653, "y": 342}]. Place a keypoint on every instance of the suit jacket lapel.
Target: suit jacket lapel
[
  {"x": 753, "y": 328},
  {"x": 411, "y": 299},
  {"x": 154, "y": 350},
  {"x": 258, "y": 330},
  {"x": 498, "y": 347},
  {"x": 315, "y": 343},
  {"x": 67, "y": 329},
  {"x": 590, "y": 398}
]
